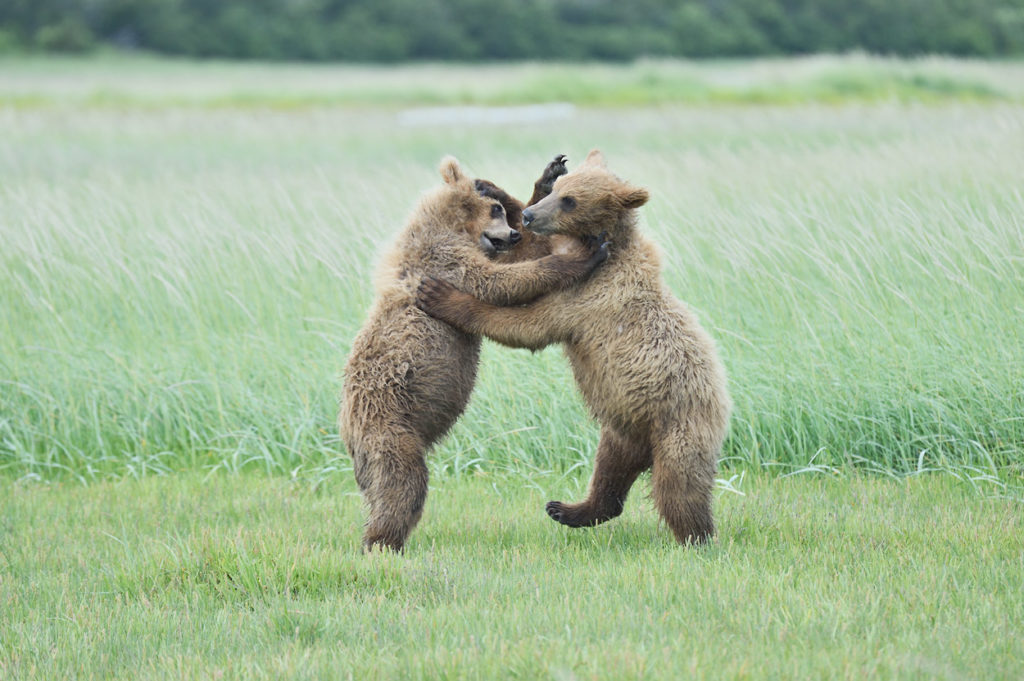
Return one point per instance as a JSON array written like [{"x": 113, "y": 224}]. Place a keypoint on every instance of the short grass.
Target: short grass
[{"x": 253, "y": 577}]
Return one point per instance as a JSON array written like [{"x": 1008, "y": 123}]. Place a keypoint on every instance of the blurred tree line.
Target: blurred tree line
[{"x": 467, "y": 30}]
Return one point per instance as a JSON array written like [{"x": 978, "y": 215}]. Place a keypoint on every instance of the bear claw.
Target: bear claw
[
  {"x": 598, "y": 246},
  {"x": 432, "y": 293},
  {"x": 552, "y": 172}
]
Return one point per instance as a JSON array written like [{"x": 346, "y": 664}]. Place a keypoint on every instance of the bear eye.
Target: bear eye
[
  {"x": 568, "y": 203},
  {"x": 497, "y": 210}
]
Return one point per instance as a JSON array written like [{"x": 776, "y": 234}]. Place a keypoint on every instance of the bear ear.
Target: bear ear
[
  {"x": 450, "y": 170},
  {"x": 595, "y": 158},
  {"x": 632, "y": 197}
]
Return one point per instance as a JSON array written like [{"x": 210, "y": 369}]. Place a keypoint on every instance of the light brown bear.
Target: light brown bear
[
  {"x": 647, "y": 370},
  {"x": 409, "y": 376}
]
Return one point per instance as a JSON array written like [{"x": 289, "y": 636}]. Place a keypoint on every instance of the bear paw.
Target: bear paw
[
  {"x": 598, "y": 247},
  {"x": 433, "y": 294},
  {"x": 562, "y": 513},
  {"x": 552, "y": 172}
]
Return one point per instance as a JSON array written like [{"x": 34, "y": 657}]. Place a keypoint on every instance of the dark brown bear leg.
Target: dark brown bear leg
[
  {"x": 616, "y": 467},
  {"x": 682, "y": 479},
  {"x": 362, "y": 471},
  {"x": 397, "y": 495}
]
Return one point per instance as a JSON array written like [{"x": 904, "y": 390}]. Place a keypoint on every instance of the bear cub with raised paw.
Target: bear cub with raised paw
[{"x": 648, "y": 371}]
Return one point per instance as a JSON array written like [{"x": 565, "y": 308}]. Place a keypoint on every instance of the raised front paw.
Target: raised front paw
[
  {"x": 433, "y": 295},
  {"x": 490, "y": 190},
  {"x": 552, "y": 172}
]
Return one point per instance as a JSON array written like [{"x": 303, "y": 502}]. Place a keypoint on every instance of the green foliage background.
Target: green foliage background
[{"x": 471, "y": 30}]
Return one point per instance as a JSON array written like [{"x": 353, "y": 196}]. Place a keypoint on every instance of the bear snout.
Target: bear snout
[
  {"x": 493, "y": 243},
  {"x": 527, "y": 217}
]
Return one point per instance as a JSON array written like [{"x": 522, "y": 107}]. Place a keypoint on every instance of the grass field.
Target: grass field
[
  {"x": 185, "y": 256},
  {"x": 253, "y": 577},
  {"x": 159, "y": 82}
]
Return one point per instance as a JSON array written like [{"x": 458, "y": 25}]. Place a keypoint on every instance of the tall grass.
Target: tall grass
[{"x": 179, "y": 285}]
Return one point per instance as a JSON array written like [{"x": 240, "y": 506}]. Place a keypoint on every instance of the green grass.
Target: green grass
[
  {"x": 249, "y": 577},
  {"x": 186, "y": 253},
  {"x": 151, "y": 83},
  {"x": 180, "y": 286}
]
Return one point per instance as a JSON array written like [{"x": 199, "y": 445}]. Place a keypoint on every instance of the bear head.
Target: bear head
[
  {"x": 481, "y": 216},
  {"x": 587, "y": 201}
]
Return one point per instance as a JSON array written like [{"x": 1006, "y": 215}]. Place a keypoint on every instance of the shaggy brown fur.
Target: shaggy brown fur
[
  {"x": 409, "y": 376},
  {"x": 649, "y": 373}
]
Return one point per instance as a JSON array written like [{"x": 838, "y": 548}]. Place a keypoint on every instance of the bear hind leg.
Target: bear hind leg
[
  {"x": 682, "y": 479},
  {"x": 616, "y": 466},
  {"x": 396, "y": 497}
]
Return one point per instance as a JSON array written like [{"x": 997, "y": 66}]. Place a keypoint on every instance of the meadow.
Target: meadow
[
  {"x": 187, "y": 252},
  {"x": 254, "y": 577}
]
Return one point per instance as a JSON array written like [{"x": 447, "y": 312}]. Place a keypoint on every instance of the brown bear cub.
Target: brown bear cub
[
  {"x": 409, "y": 376},
  {"x": 647, "y": 370}
]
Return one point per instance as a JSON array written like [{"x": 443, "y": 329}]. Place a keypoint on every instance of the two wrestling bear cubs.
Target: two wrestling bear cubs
[{"x": 646, "y": 369}]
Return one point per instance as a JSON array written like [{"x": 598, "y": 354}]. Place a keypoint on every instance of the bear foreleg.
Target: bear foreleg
[{"x": 535, "y": 326}]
